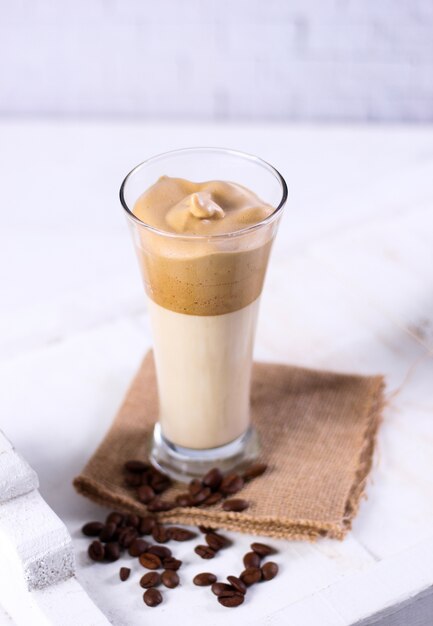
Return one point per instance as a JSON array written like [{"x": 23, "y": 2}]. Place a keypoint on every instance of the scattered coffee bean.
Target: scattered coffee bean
[
  {"x": 96, "y": 551},
  {"x": 147, "y": 524},
  {"x": 92, "y": 529},
  {"x": 171, "y": 563},
  {"x": 169, "y": 578},
  {"x": 235, "y": 504},
  {"x": 216, "y": 541},
  {"x": 152, "y": 597},
  {"x": 184, "y": 499},
  {"x": 232, "y": 483},
  {"x": 251, "y": 575},
  {"x": 132, "y": 480},
  {"x": 214, "y": 498},
  {"x": 205, "y": 552},
  {"x": 195, "y": 486},
  {"x": 232, "y": 601},
  {"x": 237, "y": 584},
  {"x": 251, "y": 559},
  {"x": 132, "y": 520},
  {"x": 206, "y": 529},
  {"x": 213, "y": 479},
  {"x": 124, "y": 573},
  {"x": 115, "y": 518},
  {"x": 160, "y": 534},
  {"x": 180, "y": 534},
  {"x": 222, "y": 589},
  {"x": 151, "y": 579},
  {"x": 269, "y": 570},
  {"x": 149, "y": 560},
  {"x": 158, "y": 506},
  {"x": 137, "y": 547},
  {"x": 127, "y": 536},
  {"x": 136, "y": 467},
  {"x": 112, "y": 551},
  {"x": 254, "y": 471},
  {"x": 145, "y": 494},
  {"x": 201, "y": 496},
  {"x": 204, "y": 580},
  {"x": 108, "y": 532},
  {"x": 159, "y": 485},
  {"x": 262, "y": 549},
  {"x": 162, "y": 551}
]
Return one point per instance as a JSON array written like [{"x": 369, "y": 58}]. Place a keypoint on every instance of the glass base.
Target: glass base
[{"x": 183, "y": 464}]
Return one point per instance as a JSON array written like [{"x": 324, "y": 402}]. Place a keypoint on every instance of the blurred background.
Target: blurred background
[{"x": 363, "y": 60}]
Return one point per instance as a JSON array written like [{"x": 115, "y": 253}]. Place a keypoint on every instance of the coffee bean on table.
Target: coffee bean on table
[
  {"x": 201, "y": 496},
  {"x": 115, "y": 518},
  {"x": 169, "y": 578},
  {"x": 194, "y": 486},
  {"x": 222, "y": 589},
  {"x": 254, "y": 471},
  {"x": 112, "y": 551},
  {"x": 151, "y": 579},
  {"x": 158, "y": 506},
  {"x": 235, "y": 504},
  {"x": 205, "y": 552},
  {"x": 204, "y": 579},
  {"x": 147, "y": 524},
  {"x": 214, "y": 498},
  {"x": 216, "y": 541},
  {"x": 133, "y": 520},
  {"x": 237, "y": 584},
  {"x": 262, "y": 549},
  {"x": 136, "y": 467},
  {"x": 269, "y": 570},
  {"x": 251, "y": 559},
  {"x": 160, "y": 534},
  {"x": 233, "y": 600},
  {"x": 171, "y": 563},
  {"x": 145, "y": 494},
  {"x": 206, "y": 529},
  {"x": 108, "y": 532},
  {"x": 162, "y": 551},
  {"x": 127, "y": 536},
  {"x": 96, "y": 551},
  {"x": 251, "y": 575},
  {"x": 183, "y": 499},
  {"x": 137, "y": 547},
  {"x": 152, "y": 597},
  {"x": 180, "y": 534},
  {"x": 149, "y": 560},
  {"x": 124, "y": 573},
  {"x": 213, "y": 479},
  {"x": 92, "y": 529},
  {"x": 232, "y": 483}
]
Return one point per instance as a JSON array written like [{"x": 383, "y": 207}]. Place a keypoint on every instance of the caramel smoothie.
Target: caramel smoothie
[{"x": 203, "y": 303}]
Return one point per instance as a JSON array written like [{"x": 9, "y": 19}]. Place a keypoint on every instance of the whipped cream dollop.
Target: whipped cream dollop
[{"x": 212, "y": 207}]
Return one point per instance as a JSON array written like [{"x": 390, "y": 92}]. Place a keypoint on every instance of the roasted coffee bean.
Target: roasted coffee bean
[
  {"x": 149, "y": 560},
  {"x": 108, "y": 532},
  {"x": 136, "y": 467},
  {"x": 205, "y": 552},
  {"x": 195, "y": 486},
  {"x": 251, "y": 559},
  {"x": 160, "y": 534},
  {"x": 213, "y": 479},
  {"x": 233, "y": 600},
  {"x": 251, "y": 575},
  {"x": 269, "y": 570},
  {"x": 132, "y": 480},
  {"x": 237, "y": 584},
  {"x": 162, "y": 551},
  {"x": 216, "y": 541},
  {"x": 235, "y": 504},
  {"x": 171, "y": 563},
  {"x": 169, "y": 578},
  {"x": 222, "y": 589},
  {"x": 132, "y": 520},
  {"x": 112, "y": 551},
  {"x": 206, "y": 529},
  {"x": 201, "y": 496},
  {"x": 124, "y": 573},
  {"x": 253, "y": 471},
  {"x": 115, "y": 518},
  {"x": 151, "y": 579},
  {"x": 262, "y": 549},
  {"x": 214, "y": 497},
  {"x": 127, "y": 536},
  {"x": 92, "y": 529},
  {"x": 137, "y": 547},
  {"x": 204, "y": 579},
  {"x": 157, "y": 505},
  {"x": 232, "y": 483},
  {"x": 180, "y": 534},
  {"x": 147, "y": 524},
  {"x": 184, "y": 499},
  {"x": 152, "y": 597},
  {"x": 145, "y": 494},
  {"x": 96, "y": 551},
  {"x": 159, "y": 482}
]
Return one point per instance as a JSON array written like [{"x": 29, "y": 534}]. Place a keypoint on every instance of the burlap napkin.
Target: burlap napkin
[{"x": 317, "y": 432}]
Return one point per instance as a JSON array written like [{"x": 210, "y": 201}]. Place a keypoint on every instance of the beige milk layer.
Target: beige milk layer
[{"x": 204, "y": 294}]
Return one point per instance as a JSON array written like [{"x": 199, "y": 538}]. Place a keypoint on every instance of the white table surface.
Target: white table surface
[{"x": 349, "y": 288}]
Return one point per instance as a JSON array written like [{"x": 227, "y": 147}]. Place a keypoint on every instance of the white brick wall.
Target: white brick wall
[{"x": 218, "y": 59}]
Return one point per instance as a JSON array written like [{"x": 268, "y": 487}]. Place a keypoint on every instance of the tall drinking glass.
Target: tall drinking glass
[{"x": 203, "y": 298}]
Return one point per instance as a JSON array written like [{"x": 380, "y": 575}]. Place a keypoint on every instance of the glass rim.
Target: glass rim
[{"x": 237, "y": 153}]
